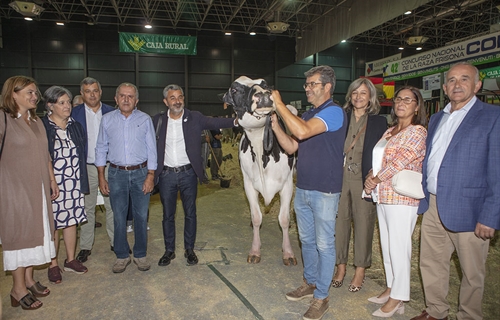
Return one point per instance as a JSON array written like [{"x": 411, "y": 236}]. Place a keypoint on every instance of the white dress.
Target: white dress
[{"x": 13, "y": 259}]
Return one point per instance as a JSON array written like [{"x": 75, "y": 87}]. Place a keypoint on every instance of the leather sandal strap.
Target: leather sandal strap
[{"x": 27, "y": 301}]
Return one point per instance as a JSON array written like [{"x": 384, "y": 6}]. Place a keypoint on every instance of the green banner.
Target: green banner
[
  {"x": 157, "y": 43},
  {"x": 490, "y": 73}
]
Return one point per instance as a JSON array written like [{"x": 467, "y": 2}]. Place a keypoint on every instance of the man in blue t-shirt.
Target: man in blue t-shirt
[{"x": 319, "y": 139}]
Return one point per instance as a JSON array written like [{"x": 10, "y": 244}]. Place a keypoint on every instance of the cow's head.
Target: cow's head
[{"x": 249, "y": 96}]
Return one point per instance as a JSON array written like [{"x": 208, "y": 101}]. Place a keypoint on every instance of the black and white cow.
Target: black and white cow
[{"x": 266, "y": 168}]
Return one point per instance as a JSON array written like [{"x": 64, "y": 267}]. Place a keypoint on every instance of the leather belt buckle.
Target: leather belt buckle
[{"x": 178, "y": 169}]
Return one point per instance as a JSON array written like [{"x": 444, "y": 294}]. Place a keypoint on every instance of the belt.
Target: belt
[
  {"x": 178, "y": 169},
  {"x": 128, "y": 168}
]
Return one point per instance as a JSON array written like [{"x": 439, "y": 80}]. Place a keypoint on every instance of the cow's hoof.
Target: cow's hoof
[
  {"x": 290, "y": 261},
  {"x": 253, "y": 259}
]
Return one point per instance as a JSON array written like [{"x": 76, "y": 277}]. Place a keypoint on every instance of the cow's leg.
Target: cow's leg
[
  {"x": 284, "y": 220},
  {"x": 253, "y": 200}
]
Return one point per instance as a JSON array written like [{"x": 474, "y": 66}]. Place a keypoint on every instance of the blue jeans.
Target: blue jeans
[
  {"x": 124, "y": 186},
  {"x": 170, "y": 184},
  {"x": 316, "y": 212}
]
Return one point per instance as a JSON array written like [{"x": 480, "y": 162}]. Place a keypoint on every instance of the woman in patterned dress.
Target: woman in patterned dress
[
  {"x": 67, "y": 146},
  {"x": 28, "y": 185}
]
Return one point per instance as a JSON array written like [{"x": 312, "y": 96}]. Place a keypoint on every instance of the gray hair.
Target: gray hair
[
  {"x": 373, "y": 103},
  {"x": 465, "y": 63},
  {"x": 76, "y": 98},
  {"x": 52, "y": 94},
  {"x": 327, "y": 75},
  {"x": 172, "y": 87},
  {"x": 127, "y": 84},
  {"x": 88, "y": 81}
]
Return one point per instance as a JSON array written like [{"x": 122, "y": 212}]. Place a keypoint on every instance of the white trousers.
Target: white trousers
[{"x": 396, "y": 224}]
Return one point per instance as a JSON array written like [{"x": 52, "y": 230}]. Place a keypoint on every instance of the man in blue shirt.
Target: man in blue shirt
[
  {"x": 127, "y": 141},
  {"x": 319, "y": 139}
]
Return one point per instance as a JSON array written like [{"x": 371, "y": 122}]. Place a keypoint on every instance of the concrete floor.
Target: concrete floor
[{"x": 222, "y": 286}]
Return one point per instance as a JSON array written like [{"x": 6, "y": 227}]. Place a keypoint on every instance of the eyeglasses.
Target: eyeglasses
[
  {"x": 311, "y": 84},
  {"x": 406, "y": 100}
]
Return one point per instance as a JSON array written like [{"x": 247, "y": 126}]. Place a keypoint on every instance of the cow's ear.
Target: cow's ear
[
  {"x": 228, "y": 98},
  {"x": 263, "y": 84}
]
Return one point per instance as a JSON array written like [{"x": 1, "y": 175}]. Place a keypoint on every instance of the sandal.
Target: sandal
[
  {"x": 39, "y": 290},
  {"x": 55, "y": 275},
  {"x": 337, "y": 283},
  {"x": 25, "y": 302},
  {"x": 354, "y": 288}
]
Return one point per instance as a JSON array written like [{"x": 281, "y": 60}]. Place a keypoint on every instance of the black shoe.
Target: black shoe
[
  {"x": 167, "y": 257},
  {"x": 113, "y": 249},
  {"x": 83, "y": 255},
  {"x": 192, "y": 259},
  {"x": 97, "y": 224}
]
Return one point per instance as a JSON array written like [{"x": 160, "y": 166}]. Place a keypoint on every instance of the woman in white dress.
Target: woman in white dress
[{"x": 28, "y": 187}]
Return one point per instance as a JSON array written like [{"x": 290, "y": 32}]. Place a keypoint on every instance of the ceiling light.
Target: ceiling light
[
  {"x": 28, "y": 19},
  {"x": 408, "y": 12},
  {"x": 277, "y": 27},
  {"x": 252, "y": 33},
  {"x": 227, "y": 33},
  {"x": 418, "y": 48},
  {"x": 148, "y": 26},
  {"x": 27, "y": 9},
  {"x": 60, "y": 23},
  {"x": 343, "y": 41},
  {"x": 401, "y": 48},
  {"x": 416, "y": 40}
]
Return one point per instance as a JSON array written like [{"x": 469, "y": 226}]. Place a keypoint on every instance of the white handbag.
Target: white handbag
[{"x": 408, "y": 183}]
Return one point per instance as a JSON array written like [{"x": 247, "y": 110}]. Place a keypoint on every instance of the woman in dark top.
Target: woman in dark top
[{"x": 67, "y": 145}]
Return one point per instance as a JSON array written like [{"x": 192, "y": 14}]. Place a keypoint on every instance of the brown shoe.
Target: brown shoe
[
  {"x": 121, "y": 264},
  {"x": 304, "y": 291},
  {"x": 425, "y": 316},
  {"x": 317, "y": 309},
  {"x": 55, "y": 274},
  {"x": 142, "y": 264},
  {"x": 75, "y": 266}
]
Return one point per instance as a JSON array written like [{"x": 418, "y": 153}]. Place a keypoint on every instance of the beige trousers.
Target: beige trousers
[
  {"x": 87, "y": 229},
  {"x": 361, "y": 214},
  {"x": 436, "y": 248}
]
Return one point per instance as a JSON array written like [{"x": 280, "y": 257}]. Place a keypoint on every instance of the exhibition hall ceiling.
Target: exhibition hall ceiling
[{"x": 440, "y": 21}]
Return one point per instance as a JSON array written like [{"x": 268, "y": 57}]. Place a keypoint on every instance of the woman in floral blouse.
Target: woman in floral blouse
[{"x": 401, "y": 147}]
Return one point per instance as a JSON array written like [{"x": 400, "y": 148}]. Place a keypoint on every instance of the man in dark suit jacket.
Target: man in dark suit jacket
[
  {"x": 461, "y": 181},
  {"x": 180, "y": 166},
  {"x": 89, "y": 115}
]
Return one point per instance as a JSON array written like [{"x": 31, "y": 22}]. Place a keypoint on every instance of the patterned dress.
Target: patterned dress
[{"x": 69, "y": 207}]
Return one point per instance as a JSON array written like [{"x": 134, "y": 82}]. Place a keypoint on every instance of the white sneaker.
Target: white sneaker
[{"x": 129, "y": 229}]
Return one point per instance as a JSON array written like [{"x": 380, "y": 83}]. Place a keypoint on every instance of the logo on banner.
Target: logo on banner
[{"x": 136, "y": 43}]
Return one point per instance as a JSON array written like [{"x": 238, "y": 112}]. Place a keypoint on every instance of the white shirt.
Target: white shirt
[
  {"x": 444, "y": 133},
  {"x": 175, "y": 147},
  {"x": 93, "y": 120}
]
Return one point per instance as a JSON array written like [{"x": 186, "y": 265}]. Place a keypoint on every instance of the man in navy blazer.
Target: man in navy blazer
[
  {"x": 89, "y": 115},
  {"x": 461, "y": 181},
  {"x": 180, "y": 165}
]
